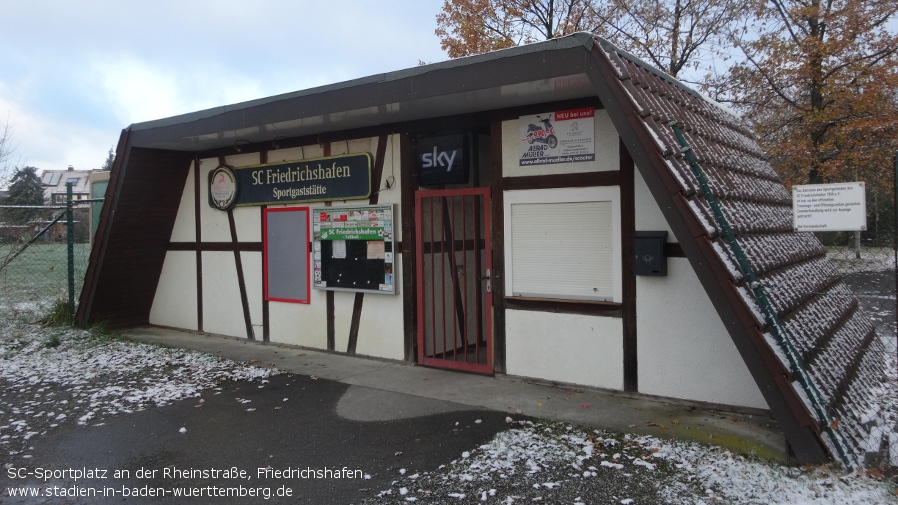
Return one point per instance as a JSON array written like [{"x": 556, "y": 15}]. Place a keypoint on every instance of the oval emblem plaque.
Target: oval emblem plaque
[{"x": 222, "y": 188}]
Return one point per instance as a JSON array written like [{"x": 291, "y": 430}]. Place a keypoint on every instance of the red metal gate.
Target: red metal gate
[{"x": 454, "y": 266}]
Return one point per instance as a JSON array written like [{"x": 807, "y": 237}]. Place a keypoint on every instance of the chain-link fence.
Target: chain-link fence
[
  {"x": 34, "y": 256},
  {"x": 867, "y": 262}
]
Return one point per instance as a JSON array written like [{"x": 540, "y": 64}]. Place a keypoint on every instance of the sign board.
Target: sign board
[
  {"x": 344, "y": 177},
  {"x": 829, "y": 207},
  {"x": 441, "y": 159},
  {"x": 353, "y": 249},
  {"x": 565, "y": 136}
]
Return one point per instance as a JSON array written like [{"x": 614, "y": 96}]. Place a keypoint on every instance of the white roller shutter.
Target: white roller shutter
[{"x": 563, "y": 250}]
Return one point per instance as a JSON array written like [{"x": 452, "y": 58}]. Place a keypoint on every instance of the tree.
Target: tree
[
  {"x": 467, "y": 27},
  {"x": 24, "y": 189},
  {"x": 110, "y": 159},
  {"x": 673, "y": 35},
  {"x": 819, "y": 81},
  {"x": 6, "y": 149}
]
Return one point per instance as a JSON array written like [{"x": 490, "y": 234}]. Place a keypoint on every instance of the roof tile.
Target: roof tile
[{"x": 818, "y": 311}]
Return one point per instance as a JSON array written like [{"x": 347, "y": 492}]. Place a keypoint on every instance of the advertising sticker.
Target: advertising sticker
[{"x": 566, "y": 136}]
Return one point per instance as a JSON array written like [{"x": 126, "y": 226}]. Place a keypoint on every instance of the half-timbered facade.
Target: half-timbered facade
[{"x": 530, "y": 213}]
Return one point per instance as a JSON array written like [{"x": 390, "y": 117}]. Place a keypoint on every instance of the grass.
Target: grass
[
  {"x": 40, "y": 273},
  {"x": 34, "y": 289},
  {"x": 60, "y": 314},
  {"x": 41, "y": 266}
]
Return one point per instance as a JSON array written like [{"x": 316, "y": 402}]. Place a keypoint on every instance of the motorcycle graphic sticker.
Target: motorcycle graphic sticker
[
  {"x": 544, "y": 134},
  {"x": 557, "y": 137}
]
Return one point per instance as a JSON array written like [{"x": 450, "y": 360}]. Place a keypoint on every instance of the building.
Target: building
[
  {"x": 98, "y": 181},
  {"x": 55, "y": 184},
  {"x": 55, "y": 181},
  {"x": 527, "y": 212}
]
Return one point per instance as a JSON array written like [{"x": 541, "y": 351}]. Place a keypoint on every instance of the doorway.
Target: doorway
[{"x": 454, "y": 265}]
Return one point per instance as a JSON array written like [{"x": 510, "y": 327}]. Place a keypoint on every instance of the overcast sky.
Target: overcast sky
[{"x": 73, "y": 74}]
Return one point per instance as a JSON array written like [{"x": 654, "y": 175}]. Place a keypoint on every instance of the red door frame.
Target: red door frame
[{"x": 482, "y": 276}]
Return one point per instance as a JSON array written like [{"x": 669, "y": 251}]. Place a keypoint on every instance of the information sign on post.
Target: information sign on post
[{"x": 829, "y": 207}]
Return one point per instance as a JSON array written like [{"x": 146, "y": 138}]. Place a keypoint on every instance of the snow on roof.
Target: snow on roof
[
  {"x": 54, "y": 181},
  {"x": 835, "y": 340}
]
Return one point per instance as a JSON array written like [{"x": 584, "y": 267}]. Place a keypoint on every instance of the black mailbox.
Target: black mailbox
[{"x": 648, "y": 247}]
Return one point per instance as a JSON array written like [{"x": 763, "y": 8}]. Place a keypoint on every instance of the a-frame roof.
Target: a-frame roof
[
  {"x": 832, "y": 341},
  {"x": 832, "y": 338},
  {"x": 820, "y": 326}
]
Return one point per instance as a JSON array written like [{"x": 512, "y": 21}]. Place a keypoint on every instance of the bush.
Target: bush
[{"x": 59, "y": 315}]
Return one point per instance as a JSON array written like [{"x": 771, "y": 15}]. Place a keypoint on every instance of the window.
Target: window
[
  {"x": 563, "y": 244},
  {"x": 51, "y": 178}
]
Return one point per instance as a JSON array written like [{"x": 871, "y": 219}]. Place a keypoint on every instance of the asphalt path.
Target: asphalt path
[{"x": 323, "y": 441}]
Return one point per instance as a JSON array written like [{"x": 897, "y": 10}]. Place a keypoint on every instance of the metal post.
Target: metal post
[{"x": 70, "y": 242}]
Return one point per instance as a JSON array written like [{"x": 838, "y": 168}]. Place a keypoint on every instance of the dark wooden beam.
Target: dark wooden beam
[{"x": 628, "y": 278}]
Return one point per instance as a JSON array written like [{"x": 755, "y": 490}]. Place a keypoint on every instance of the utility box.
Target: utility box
[{"x": 648, "y": 247}]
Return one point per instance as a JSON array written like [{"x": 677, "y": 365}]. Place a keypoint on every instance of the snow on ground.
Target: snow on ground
[
  {"x": 52, "y": 377},
  {"x": 558, "y": 463},
  {"x": 867, "y": 259}
]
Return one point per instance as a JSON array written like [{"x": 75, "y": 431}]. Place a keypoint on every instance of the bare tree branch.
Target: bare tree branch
[{"x": 6, "y": 150}]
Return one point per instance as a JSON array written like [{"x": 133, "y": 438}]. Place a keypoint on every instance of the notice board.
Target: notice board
[
  {"x": 353, "y": 248},
  {"x": 286, "y": 254},
  {"x": 829, "y": 207}
]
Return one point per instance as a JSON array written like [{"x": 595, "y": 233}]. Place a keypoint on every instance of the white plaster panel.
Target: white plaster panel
[
  {"x": 393, "y": 194},
  {"x": 252, "y": 279},
  {"x": 381, "y": 329},
  {"x": 222, "y": 306},
  {"x": 607, "y": 143},
  {"x": 607, "y": 151},
  {"x": 648, "y": 214},
  {"x": 247, "y": 223},
  {"x": 185, "y": 222},
  {"x": 313, "y": 151},
  {"x": 299, "y": 324},
  {"x": 391, "y": 176},
  {"x": 174, "y": 303},
  {"x": 366, "y": 145},
  {"x": 577, "y": 349},
  {"x": 684, "y": 350},
  {"x": 343, "y": 303}
]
